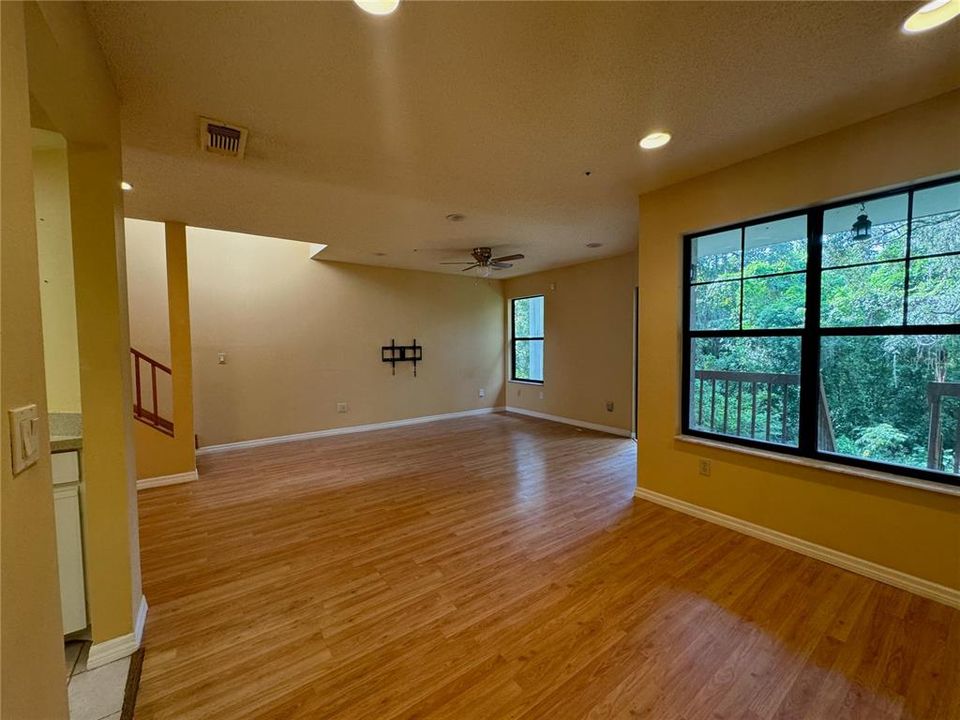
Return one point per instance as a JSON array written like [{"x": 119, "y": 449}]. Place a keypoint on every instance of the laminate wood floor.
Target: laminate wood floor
[{"x": 500, "y": 567}]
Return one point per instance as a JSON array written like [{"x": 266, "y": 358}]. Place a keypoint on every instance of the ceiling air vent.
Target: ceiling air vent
[{"x": 222, "y": 138}]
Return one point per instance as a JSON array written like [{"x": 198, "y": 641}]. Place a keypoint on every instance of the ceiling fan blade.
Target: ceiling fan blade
[
  {"x": 500, "y": 265},
  {"x": 518, "y": 256},
  {"x": 456, "y": 263},
  {"x": 471, "y": 267}
]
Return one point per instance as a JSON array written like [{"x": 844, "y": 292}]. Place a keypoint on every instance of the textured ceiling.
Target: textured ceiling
[{"x": 365, "y": 132}]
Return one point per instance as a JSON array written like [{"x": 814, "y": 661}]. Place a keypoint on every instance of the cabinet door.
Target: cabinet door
[{"x": 73, "y": 603}]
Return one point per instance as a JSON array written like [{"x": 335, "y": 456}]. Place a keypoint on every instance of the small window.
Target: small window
[{"x": 526, "y": 339}]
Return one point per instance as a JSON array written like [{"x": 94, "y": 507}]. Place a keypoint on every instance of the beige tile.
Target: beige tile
[
  {"x": 98, "y": 693},
  {"x": 81, "y": 665},
  {"x": 71, "y": 651}
]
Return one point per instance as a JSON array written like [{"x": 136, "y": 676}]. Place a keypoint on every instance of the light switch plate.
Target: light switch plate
[{"x": 24, "y": 437}]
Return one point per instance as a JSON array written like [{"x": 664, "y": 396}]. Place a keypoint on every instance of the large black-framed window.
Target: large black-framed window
[
  {"x": 831, "y": 333},
  {"x": 526, "y": 339}
]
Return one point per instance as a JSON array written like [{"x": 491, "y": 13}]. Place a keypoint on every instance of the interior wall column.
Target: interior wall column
[{"x": 181, "y": 355}]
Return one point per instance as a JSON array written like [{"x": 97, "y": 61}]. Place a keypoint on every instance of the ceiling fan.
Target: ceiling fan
[{"x": 483, "y": 258}]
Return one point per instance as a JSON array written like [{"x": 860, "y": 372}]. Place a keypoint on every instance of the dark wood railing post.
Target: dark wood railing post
[
  {"x": 769, "y": 404},
  {"x": 153, "y": 382},
  {"x": 739, "y": 404},
  {"x": 136, "y": 372},
  {"x": 783, "y": 424}
]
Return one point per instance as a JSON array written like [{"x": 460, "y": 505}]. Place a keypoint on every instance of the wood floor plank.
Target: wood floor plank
[{"x": 500, "y": 567}]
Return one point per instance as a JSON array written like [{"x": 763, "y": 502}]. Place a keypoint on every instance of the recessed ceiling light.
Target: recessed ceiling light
[
  {"x": 456, "y": 217},
  {"x": 931, "y": 15},
  {"x": 377, "y": 7},
  {"x": 124, "y": 185},
  {"x": 655, "y": 140},
  {"x": 594, "y": 245}
]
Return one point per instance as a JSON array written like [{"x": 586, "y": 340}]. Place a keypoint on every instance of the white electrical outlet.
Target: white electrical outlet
[
  {"x": 483, "y": 393},
  {"x": 705, "y": 467},
  {"x": 221, "y": 358},
  {"x": 341, "y": 407},
  {"x": 541, "y": 394},
  {"x": 24, "y": 437}
]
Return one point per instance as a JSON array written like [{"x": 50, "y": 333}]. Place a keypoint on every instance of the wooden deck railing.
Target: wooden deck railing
[
  {"x": 936, "y": 392},
  {"x": 151, "y": 417},
  {"x": 734, "y": 403},
  {"x": 767, "y": 395}
]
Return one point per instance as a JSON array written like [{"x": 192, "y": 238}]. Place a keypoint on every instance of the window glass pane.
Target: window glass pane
[
  {"x": 885, "y": 239},
  {"x": 866, "y": 295},
  {"x": 877, "y": 396},
  {"x": 528, "y": 317},
  {"x": 716, "y": 256},
  {"x": 934, "y": 290},
  {"x": 778, "y": 301},
  {"x": 936, "y": 220},
  {"x": 776, "y": 247},
  {"x": 528, "y": 361},
  {"x": 715, "y": 306},
  {"x": 746, "y": 387}
]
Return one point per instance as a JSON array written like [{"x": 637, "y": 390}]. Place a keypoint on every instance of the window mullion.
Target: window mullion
[
  {"x": 906, "y": 263},
  {"x": 810, "y": 342}
]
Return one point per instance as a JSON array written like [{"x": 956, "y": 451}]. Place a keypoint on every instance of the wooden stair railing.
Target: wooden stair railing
[{"x": 150, "y": 417}]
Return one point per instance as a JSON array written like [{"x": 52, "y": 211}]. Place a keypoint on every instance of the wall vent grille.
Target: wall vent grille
[{"x": 222, "y": 138}]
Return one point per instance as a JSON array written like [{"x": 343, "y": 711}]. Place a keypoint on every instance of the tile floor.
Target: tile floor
[{"x": 94, "y": 694}]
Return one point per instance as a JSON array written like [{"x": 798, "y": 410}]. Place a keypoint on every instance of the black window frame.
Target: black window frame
[
  {"x": 811, "y": 333},
  {"x": 514, "y": 338}
]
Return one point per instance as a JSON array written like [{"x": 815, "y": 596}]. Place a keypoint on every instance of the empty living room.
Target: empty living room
[{"x": 394, "y": 359}]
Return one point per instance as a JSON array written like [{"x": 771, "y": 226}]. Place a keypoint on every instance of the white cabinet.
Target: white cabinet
[
  {"x": 66, "y": 503},
  {"x": 65, "y": 467}
]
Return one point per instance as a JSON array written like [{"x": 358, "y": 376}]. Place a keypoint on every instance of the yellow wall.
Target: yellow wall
[
  {"x": 159, "y": 454},
  {"x": 52, "y": 196},
  {"x": 302, "y": 335},
  {"x": 65, "y": 87},
  {"x": 588, "y": 341},
  {"x": 911, "y": 530},
  {"x": 31, "y": 649},
  {"x": 146, "y": 255}
]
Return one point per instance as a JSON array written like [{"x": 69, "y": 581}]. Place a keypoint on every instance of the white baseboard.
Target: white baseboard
[
  {"x": 349, "y": 429},
  {"x": 119, "y": 647},
  {"x": 570, "y": 421},
  {"x": 162, "y": 480},
  {"x": 896, "y": 578}
]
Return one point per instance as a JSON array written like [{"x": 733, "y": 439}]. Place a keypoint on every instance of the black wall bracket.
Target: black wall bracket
[{"x": 394, "y": 353}]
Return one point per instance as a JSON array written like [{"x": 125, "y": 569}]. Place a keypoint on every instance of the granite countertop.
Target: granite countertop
[{"x": 66, "y": 432}]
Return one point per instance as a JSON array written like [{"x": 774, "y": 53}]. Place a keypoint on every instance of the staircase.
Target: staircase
[{"x": 151, "y": 416}]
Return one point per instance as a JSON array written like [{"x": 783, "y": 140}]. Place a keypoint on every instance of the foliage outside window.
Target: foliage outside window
[
  {"x": 832, "y": 333},
  {"x": 526, "y": 339}
]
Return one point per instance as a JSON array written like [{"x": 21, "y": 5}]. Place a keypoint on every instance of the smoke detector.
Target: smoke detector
[{"x": 221, "y": 138}]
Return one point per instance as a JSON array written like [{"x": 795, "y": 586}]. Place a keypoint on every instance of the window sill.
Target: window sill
[
  {"x": 526, "y": 382},
  {"x": 942, "y": 489}
]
